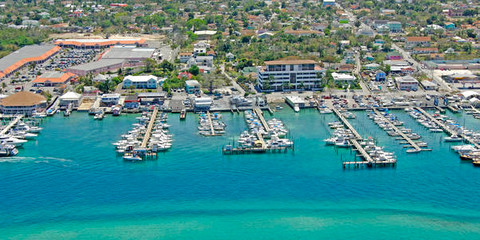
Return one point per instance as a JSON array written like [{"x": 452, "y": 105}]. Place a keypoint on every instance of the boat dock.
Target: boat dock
[
  {"x": 403, "y": 135},
  {"x": 368, "y": 160},
  {"x": 149, "y": 128},
  {"x": 210, "y": 123},
  {"x": 346, "y": 123},
  {"x": 441, "y": 110},
  {"x": 11, "y": 124},
  {"x": 262, "y": 119},
  {"x": 452, "y": 108},
  {"x": 445, "y": 128}
]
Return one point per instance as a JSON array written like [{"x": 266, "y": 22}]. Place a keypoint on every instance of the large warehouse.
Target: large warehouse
[
  {"x": 26, "y": 55},
  {"x": 99, "y": 43},
  {"x": 113, "y": 59}
]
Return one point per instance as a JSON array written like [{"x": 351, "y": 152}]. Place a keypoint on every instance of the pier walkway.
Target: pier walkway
[
  {"x": 346, "y": 123},
  {"x": 262, "y": 119},
  {"x": 453, "y": 109},
  {"x": 403, "y": 135},
  {"x": 11, "y": 124},
  {"x": 210, "y": 123},
  {"x": 149, "y": 128},
  {"x": 446, "y": 128}
]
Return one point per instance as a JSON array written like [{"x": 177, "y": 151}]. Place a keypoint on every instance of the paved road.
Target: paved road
[
  {"x": 234, "y": 82},
  {"x": 406, "y": 55}
]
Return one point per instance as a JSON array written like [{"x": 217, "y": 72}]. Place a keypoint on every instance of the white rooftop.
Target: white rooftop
[{"x": 140, "y": 78}]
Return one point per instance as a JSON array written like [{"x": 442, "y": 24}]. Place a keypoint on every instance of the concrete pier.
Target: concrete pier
[
  {"x": 403, "y": 135},
  {"x": 446, "y": 128},
  {"x": 148, "y": 133},
  {"x": 262, "y": 119},
  {"x": 11, "y": 124},
  {"x": 347, "y": 124}
]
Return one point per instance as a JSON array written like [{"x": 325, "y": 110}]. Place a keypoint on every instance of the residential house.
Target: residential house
[
  {"x": 380, "y": 76},
  {"x": 394, "y": 56},
  {"x": 394, "y": 26},
  {"x": 184, "y": 56},
  {"x": 343, "y": 78},
  {"x": 412, "y": 42}
]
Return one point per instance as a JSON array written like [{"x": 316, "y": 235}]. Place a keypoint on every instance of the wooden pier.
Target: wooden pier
[
  {"x": 446, "y": 128},
  {"x": 11, "y": 124},
  {"x": 347, "y": 124},
  {"x": 262, "y": 119},
  {"x": 403, "y": 135},
  {"x": 148, "y": 133}
]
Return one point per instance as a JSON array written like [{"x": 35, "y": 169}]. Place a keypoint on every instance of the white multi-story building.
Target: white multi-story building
[
  {"x": 145, "y": 82},
  {"x": 290, "y": 75},
  {"x": 407, "y": 83}
]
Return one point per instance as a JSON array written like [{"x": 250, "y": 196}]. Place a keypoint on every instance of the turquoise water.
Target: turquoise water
[{"x": 70, "y": 184}]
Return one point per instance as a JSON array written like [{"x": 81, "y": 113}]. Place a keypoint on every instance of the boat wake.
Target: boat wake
[{"x": 16, "y": 159}]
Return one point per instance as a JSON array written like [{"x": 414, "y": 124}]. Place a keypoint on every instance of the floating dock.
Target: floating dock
[
  {"x": 403, "y": 135},
  {"x": 148, "y": 133},
  {"x": 11, "y": 124}
]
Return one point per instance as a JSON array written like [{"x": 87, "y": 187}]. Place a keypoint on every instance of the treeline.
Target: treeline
[{"x": 13, "y": 39}]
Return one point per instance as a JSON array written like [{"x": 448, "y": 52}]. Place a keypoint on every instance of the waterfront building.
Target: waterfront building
[
  {"x": 202, "y": 103},
  {"x": 429, "y": 85},
  {"x": 140, "y": 82},
  {"x": 289, "y": 75},
  {"x": 70, "y": 98},
  {"x": 407, "y": 83},
  {"x": 192, "y": 86},
  {"x": 184, "y": 56},
  {"x": 110, "y": 99},
  {"x": 23, "y": 103},
  {"x": 131, "y": 102}
]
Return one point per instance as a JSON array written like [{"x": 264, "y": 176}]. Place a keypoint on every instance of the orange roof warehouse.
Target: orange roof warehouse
[
  {"x": 26, "y": 55},
  {"x": 51, "y": 79},
  {"x": 99, "y": 43}
]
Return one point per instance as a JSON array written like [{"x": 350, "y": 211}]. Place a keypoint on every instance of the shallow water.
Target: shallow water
[{"x": 69, "y": 183}]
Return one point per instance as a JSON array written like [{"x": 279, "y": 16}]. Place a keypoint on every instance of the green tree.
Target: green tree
[{"x": 194, "y": 70}]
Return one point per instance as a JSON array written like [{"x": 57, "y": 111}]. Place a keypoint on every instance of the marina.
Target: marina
[
  {"x": 211, "y": 124},
  {"x": 372, "y": 155},
  {"x": 398, "y": 132},
  {"x": 148, "y": 137},
  {"x": 262, "y": 137}
]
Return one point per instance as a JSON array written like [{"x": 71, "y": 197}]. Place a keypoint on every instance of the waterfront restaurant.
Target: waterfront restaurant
[{"x": 23, "y": 103}]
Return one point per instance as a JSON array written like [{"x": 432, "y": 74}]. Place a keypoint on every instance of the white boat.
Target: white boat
[
  {"x": 453, "y": 138},
  {"x": 7, "y": 150},
  {"x": 12, "y": 141},
  {"x": 35, "y": 129},
  {"x": 132, "y": 157},
  {"x": 296, "y": 108}
]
